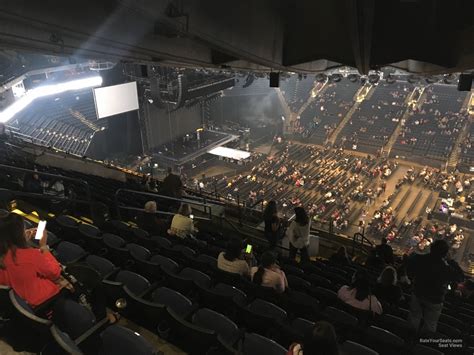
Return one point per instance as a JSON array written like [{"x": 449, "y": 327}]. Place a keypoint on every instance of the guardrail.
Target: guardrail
[{"x": 207, "y": 208}]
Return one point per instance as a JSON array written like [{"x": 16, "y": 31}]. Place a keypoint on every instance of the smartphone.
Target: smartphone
[
  {"x": 191, "y": 216},
  {"x": 40, "y": 230},
  {"x": 449, "y": 287},
  {"x": 248, "y": 249}
]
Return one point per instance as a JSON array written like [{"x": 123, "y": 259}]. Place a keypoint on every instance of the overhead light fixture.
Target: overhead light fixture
[{"x": 47, "y": 90}]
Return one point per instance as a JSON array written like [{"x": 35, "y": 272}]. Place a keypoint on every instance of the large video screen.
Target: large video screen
[{"x": 112, "y": 100}]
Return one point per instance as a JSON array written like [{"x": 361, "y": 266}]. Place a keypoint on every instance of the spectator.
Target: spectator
[
  {"x": 269, "y": 274},
  {"x": 373, "y": 260},
  {"x": 358, "y": 294},
  {"x": 432, "y": 273},
  {"x": 385, "y": 251},
  {"x": 32, "y": 183},
  {"x": 272, "y": 223},
  {"x": 182, "y": 224},
  {"x": 321, "y": 341},
  {"x": 298, "y": 234},
  {"x": 172, "y": 185},
  {"x": 386, "y": 288},
  {"x": 231, "y": 260},
  {"x": 32, "y": 273},
  {"x": 57, "y": 189},
  {"x": 149, "y": 221},
  {"x": 340, "y": 257}
]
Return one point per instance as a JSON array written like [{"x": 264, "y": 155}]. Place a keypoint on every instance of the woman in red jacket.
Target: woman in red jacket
[{"x": 33, "y": 273}]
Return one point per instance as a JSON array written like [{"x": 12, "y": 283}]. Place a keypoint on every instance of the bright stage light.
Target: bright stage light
[{"x": 47, "y": 90}]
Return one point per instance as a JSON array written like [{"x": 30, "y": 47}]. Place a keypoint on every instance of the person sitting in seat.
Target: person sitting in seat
[
  {"x": 33, "y": 273},
  {"x": 358, "y": 294},
  {"x": 182, "y": 224},
  {"x": 386, "y": 288},
  {"x": 231, "y": 259},
  {"x": 269, "y": 274},
  {"x": 340, "y": 257},
  {"x": 149, "y": 220},
  {"x": 322, "y": 340}
]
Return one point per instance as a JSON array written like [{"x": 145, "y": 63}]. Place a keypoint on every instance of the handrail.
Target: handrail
[
  {"x": 182, "y": 200},
  {"x": 62, "y": 177},
  {"x": 360, "y": 240},
  {"x": 159, "y": 212}
]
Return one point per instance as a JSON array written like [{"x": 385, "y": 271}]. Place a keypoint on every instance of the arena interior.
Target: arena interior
[{"x": 114, "y": 117}]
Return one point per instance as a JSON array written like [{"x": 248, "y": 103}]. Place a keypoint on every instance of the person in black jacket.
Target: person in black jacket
[
  {"x": 385, "y": 251},
  {"x": 432, "y": 273}
]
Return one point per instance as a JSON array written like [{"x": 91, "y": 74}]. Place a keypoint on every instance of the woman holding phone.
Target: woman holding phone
[{"x": 31, "y": 272}]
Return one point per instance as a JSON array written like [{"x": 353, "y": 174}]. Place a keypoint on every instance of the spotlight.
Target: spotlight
[
  {"x": 321, "y": 78},
  {"x": 373, "y": 78},
  {"x": 335, "y": 78},
  {"x": 390, "y": 79},
  {"x": 353, "y": 78}
]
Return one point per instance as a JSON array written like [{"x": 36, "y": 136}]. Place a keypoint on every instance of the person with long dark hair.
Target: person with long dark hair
[
  {"x": 272, "y": 223},
  {"x": 31, "y": 272},
  {"x": 298, "y": 234},
  {"x": 359, "y": 295},
  {"x": 269, "y": 274},
  {"x": 386, "y": 288},
  {"x": 321, "y": 341},
  {"x": 340, "y": 257},
  {"x": 231, "y": 259}
]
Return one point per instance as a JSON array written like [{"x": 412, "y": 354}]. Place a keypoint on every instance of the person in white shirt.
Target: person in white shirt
[
  {"x": 298, "y": 234},
  {"x": 182, "y": 224}
]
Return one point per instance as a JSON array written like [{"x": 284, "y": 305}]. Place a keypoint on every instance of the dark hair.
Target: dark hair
[
  {"x": 342, "y": 251},
  {"x": 322, "y": 341},
  {"x": 383, "y": 241},
  {"x": 233, "y": 250},
  {"x": 301, "y": 217},
  {"x": 439, "y": 248},
  {"x": 12, "y": 234},
  {"x": 388, "y": 276},
  {"x": 267, "y": 260},
  {"x": 270, "y": 210},
  {"x": 361, "y": 284}
]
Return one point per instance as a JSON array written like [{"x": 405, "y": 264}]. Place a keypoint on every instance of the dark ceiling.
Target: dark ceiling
[{"x": 422, "y": 36}]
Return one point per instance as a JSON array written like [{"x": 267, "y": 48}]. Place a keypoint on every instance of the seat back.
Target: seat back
[
  {"x": 117, "y": 340},
  {"x": 383, "y": 341},
  {"x": 113, "y": 241},
  {"x": 353, "y": 348},
  {"x": 136, "y": 283},
  {"x": 198, "y": 277},
  {"x": 209, "y": 319},
  {"x": 138, "y": 252},
  {"x": 69, "y": 253},
  {"x": 267, "y": 309},
  {"x": 165, "y": 263},
  {"x": 103, "y": 266},
  {"x": 63, "y": 344},
  {"x": 181, "y": 305},
  {"x": 257, "y": 344},
  {"x": 72, "y": 318}
]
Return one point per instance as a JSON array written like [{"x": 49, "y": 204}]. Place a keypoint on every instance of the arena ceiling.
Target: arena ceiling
[{"x": 421, "y": 36}]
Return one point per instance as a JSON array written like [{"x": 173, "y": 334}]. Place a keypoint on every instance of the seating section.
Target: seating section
[
  {"x": 173, "y": 287},
  {"x": 376, "y": 118},
  {"x": 66, "y": 122},
  {"x": 296, "y": 90},
  {"x": 327, "y": 110},
  {"x": 432, "y": 131},
  {"x": 467, "y": 151}
]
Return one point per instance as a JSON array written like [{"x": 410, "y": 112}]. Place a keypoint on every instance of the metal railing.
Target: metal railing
[
  {"x": 207, "y": 208},
  {"x": 51, "y": 197},
  {"x": 163, "y": 213}
]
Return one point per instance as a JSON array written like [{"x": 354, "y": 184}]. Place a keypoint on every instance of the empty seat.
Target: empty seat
[
  {"x": 257, "y": 344},
  {"x": 103, "y": 266},
  {"x": 117, "y": 340},
  {"x": 352, "y": 348},
  {"x": 137, "y": 284},
  {"x": 181, "y": 305},
  {"x": 69, "y": 253},
  {"x": 383, "y": 341},
  {"x": 223, "y": 326}
]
